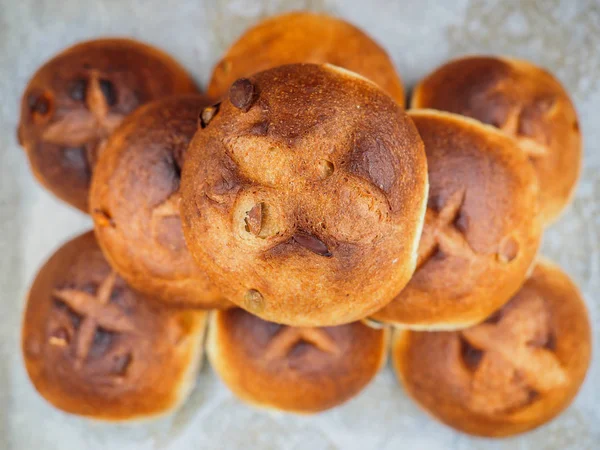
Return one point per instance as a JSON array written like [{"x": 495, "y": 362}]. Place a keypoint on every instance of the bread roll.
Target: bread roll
[
  {"x": 94, "y": 347},
  {"x": 134, "y": 201},
  {"x": 75, "y": 100},
  {"x": 304, "y": 37},
  {"x": 482, "y": 227},
  {"x": 514, "y": 372},
  {"x": 303, "y": 197},
  {"x": 301, "y": 370},
  {"x": 524, "y": 101}
]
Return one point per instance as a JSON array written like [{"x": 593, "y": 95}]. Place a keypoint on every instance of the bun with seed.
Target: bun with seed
[
  {"x": 303, "y": 196},
  {"x": 134, "y": 201},
  {"x": 94, "y": 347},
  {"x": 482, "y": 227},
  {"x": 304, "y": 37},
  {"x": 75, "y": 101},
  {"x": 524, "y": 101},
  {"x": 514, "y": 372},
  {"x": 302, "y": 370}
]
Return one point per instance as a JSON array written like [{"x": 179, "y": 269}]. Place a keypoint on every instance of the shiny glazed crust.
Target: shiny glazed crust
[
  {"x": 514, "y": 372},
  {"x": 94, "y": 347},
  {"x": 303, "y": 37},
  {"x": 304, "y": 195},
  {"x": 482, "y": 227},
  {"x": 134, "y": 201},
  {"x": 75, "y": 100},
  {"x": 525, "y": 102},
  {"x": 301, "y": 370}
]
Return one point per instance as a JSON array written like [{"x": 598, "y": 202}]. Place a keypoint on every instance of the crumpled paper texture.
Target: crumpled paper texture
[{"x": 561, "y": 35}]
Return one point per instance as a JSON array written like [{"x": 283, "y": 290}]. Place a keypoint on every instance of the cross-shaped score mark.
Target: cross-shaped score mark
[
  {"x": 520, "y": 116},
  {"x": 168, "y": 208},
  {"x": 96, "y": 312},
  {"x": 441, "y": 234},
  {"x": 87, "y": 128},
  {"x": 302, "y": 185},
  {"x": 288, "y": 337},
  {"x": 530, "y": 146},
  {"x": 518, "y": 341}
]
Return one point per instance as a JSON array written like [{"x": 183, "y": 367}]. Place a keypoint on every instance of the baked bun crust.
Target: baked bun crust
[
  {"x": 75, "y": 100},
  {"x": 303, "y": 37},
  {"x": 514, "y": 372},
  {"x": 94, "y": 347},
  {"x": 525, "y": 102},
  {"x": 481, "y": 231},
  {"x": 134, "y": 201},
  {"x": 303, "y": 197},
  {"x": 302, "y": 370}
]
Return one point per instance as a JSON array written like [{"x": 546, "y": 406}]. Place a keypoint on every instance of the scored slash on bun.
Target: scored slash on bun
[
  {"x": 514, "y": 372},
  {"x": 302, "y": 370},
  {"x": 74, "y": 101},
  {"x": 92, "y": 346},
  {"x": 481, "y": 230},
  {"x": 524, "y": 101},
  {"x": 304, "y": 195},
  {"x": 304, "y": 37},
  {"x": 134, "y": 201}
]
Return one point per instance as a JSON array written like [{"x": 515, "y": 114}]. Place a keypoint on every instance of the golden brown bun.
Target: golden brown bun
[
  {"x": 94, "y": 347},
  {"x": 525, "y": 102},
  {"x": 134, "y": 201},
  {"x": 302, "y": 370},
  {"x": 75, "y": 100},
  {"x": 303, "y": 197},
  {"x": 481, "y": 230},
  {"x": 303, "y": 37},
  {"x": 510, "y": 374}
]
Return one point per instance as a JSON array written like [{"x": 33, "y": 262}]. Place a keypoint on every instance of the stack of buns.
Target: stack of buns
[{"x": 306, "y": 219}]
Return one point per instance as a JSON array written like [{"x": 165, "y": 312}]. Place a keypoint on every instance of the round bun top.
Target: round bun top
[
  {"x": 303, "y": 196},
  {"x": 75, "y": 100},
  {"x": 134, "y": 201},
  {"x": 522, "y": 100},
  {"x": 303, "y": 37},
  {"x": 92, "y": 346},
  {"x": 302, "y": 370},
  {"x": 512, "y": 373},
  {"x": 481, "y": 229}
]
